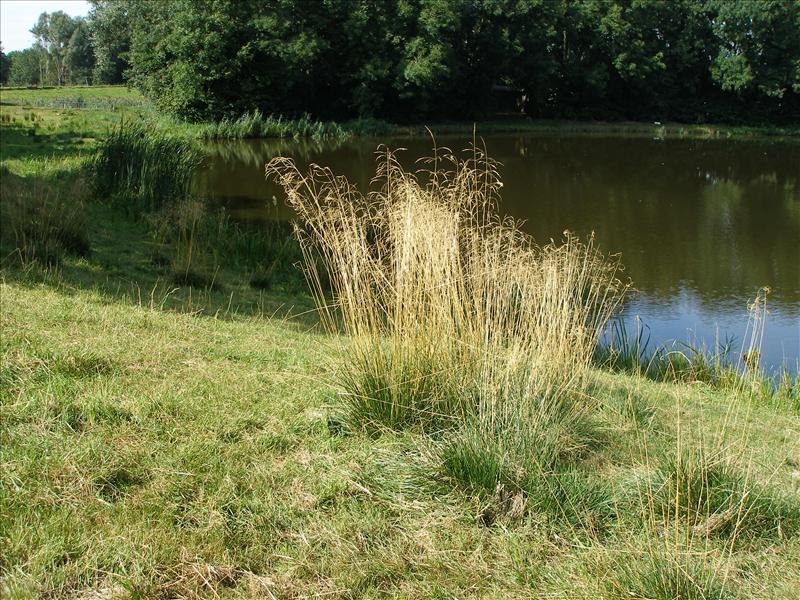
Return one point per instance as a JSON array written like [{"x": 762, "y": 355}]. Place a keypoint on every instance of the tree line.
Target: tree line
[
  {"x": 62, "y": 54},
  {"x": 410, "y": 60}
]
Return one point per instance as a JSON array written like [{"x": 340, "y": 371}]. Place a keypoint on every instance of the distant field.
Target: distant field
[
  {"x": 102, "y": 106},
  {"x": 61, "y": 124},
  {"x": 36, "y": 96}
]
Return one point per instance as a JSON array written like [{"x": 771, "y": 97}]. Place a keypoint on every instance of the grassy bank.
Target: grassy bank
[
  {"x": 166, "y": 453},
  {"x": 172, "y": 436}
]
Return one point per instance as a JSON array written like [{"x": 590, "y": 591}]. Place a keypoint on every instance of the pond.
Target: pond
[{"x": 701, "y": 224}]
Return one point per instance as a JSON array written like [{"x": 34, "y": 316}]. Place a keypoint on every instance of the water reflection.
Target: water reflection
[{"x": 701, "y": 224}]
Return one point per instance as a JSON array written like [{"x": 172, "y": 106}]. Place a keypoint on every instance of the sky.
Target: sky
[{"x": 18, "y": 16}]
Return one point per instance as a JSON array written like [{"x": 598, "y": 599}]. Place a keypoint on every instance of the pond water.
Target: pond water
[{"x": 701, "y": 225}]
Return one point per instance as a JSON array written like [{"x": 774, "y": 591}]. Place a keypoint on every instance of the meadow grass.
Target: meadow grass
[
  {"x": 74, "y": 119},
  {"x": 31, "y": 96},
  {"x": 150, "y": 452},
  {"x": 196, "y": 240},
  {"x": 223, "y": 441},
  {"x": 41, "y": 223}
]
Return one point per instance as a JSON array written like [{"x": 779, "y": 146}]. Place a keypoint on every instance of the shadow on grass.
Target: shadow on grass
[
  {"x": 122, "y": 263},
  {"x": 26, "y": 141}
]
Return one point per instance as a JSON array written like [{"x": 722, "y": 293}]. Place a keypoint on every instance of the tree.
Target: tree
[
  {"x": 411, "y": 60},
  {"x": 457, "y": 51},
  {"x": 110, "y": 38},
  {"x": 5, "y": 66},
  {"x": 53, "y": 32},
  {"x": 759, "y": 46},
  {"x": 79, "y": 57},
  {"x": 24, "y": 69}
]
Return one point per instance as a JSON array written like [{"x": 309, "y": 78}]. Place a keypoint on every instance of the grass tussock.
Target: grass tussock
[
  {"x": 459, "y": 324},
  {"x": 714, "y": 496},
  {"x": 513, "y": 482},
  {"x": 142, "y": 169},
  {"x": 42, "y": 222},
  {"x": 451, "y": 312},
  {"x": 661, "y": 575},
  {"x": 149, "y": 175}
]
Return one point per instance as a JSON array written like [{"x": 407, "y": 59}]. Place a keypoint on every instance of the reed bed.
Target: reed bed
[
  {"x": 257, "y": 125},
  {"x": 143, "y": 169}
]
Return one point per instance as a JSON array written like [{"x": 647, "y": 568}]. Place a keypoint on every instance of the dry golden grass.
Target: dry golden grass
[{"x": 449, "y": 311}]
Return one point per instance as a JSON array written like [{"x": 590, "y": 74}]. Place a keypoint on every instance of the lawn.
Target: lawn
[{"x": 61, "y": 124}]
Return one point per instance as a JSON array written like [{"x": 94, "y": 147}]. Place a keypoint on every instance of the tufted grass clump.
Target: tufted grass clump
[
  {"x": 663, "y": 575},
  {"x": 537, "y": 463},
  {"x": 715, "y": 498},
  {"x": 42, "y": 223},
  {"x": 451, "y": 313}
]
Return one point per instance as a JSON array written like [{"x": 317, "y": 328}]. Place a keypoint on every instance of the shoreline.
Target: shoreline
[
  {"x": 129, "y": 102},
  {"x": 633, "y": 128}
]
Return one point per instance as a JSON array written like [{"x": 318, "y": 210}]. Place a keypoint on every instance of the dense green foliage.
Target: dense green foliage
[
  {"x": 143, "y": 169},
  {"x": 637, "y": 59},
  {"x": 5, "y": 66},
  {"x": 23, "y": 67},
  {"x": 414, "y": 60},
  {"x": 110, "y": 40},
  {"x": 63, "y": 49}
]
